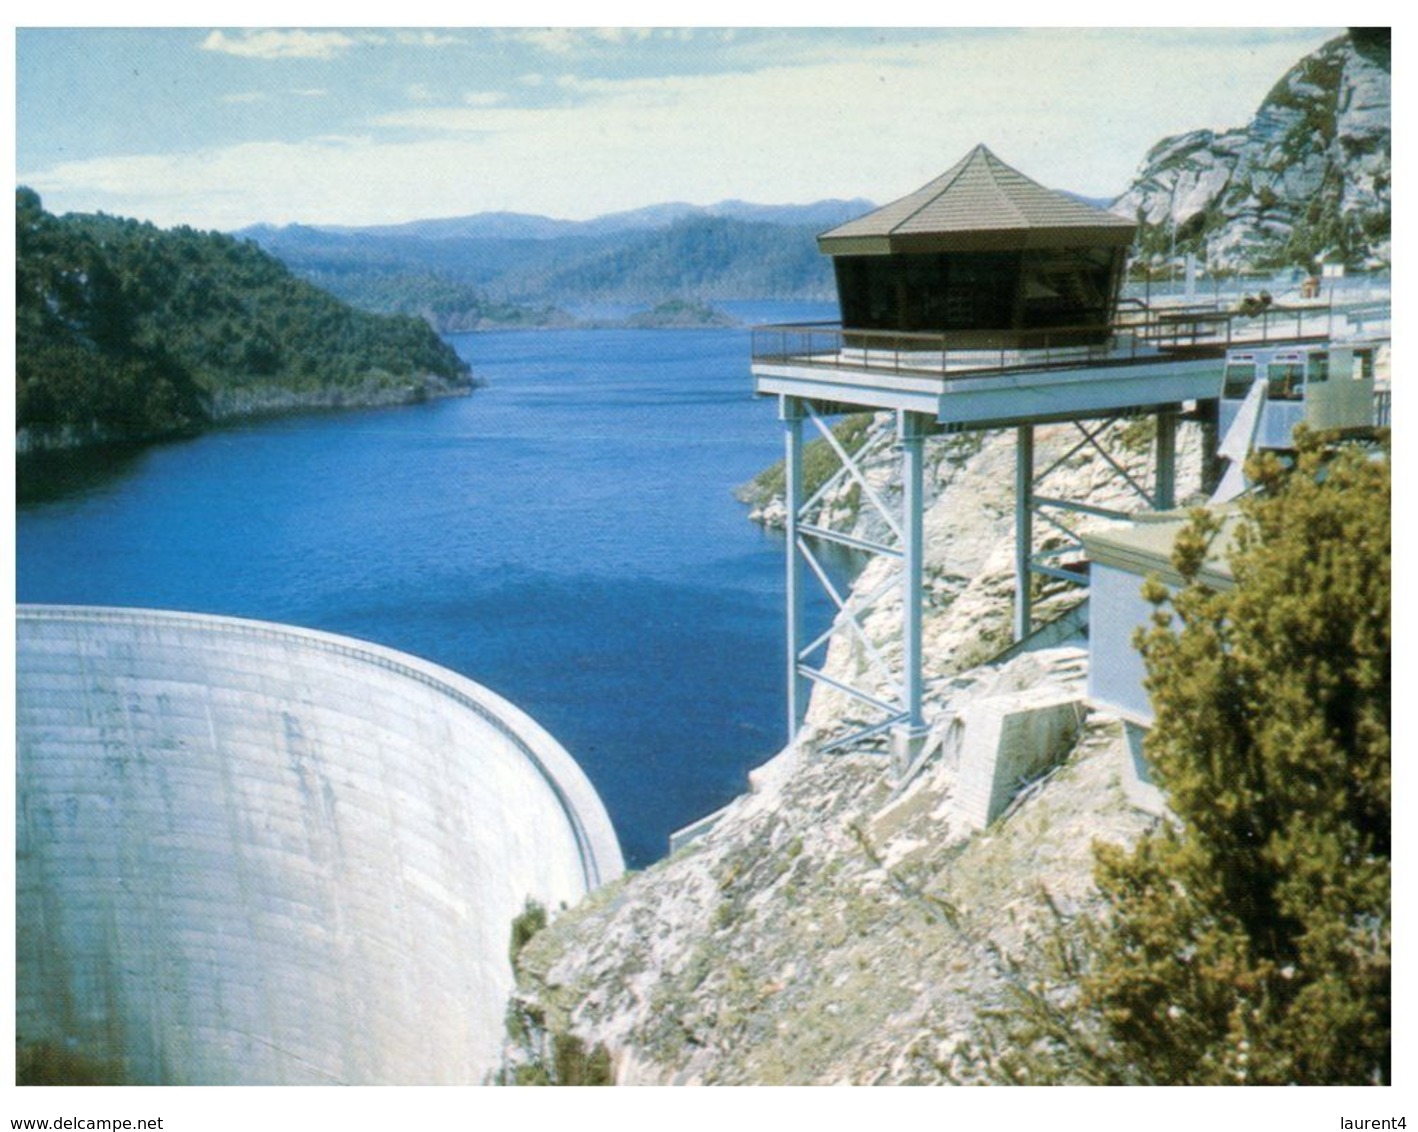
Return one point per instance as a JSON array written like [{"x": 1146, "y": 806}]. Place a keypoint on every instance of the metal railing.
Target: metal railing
[
  {"x": 1233, "y": 288},
  {"x": 1138, "y": 334},
  {"x": 933, "y": 354}
]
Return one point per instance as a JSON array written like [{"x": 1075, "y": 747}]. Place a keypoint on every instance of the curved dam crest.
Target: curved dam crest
[{"x": 254, "y": 854}]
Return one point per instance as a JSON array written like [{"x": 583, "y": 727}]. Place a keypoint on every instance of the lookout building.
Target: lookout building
[{"x": 984, "y": 253}]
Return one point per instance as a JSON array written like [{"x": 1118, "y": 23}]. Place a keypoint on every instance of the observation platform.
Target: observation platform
[
  {"x": 1157, "y": 361},
  {"x": 1152, "y": 359}
]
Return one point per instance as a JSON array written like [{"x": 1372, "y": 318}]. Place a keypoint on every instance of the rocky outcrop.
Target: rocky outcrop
[
  {"x": 1306, "y": 181},
  {"x": 829, "y": 927}
]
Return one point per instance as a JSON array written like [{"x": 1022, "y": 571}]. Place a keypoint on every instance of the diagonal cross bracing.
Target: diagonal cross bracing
[
  {"x": 855, "y": 625},
  {"x": 1058, "y": 525},
  {"x": 831, "y": 483},
  {"x": 820, "y": 677},
  {"x": 855, "y": 472},
  {"x": 859, "y": 609},
  {"x": 1092, "y": 438},
  {"x": 826, "y": 534},
  {"x": 900, "y": 699},
  {"x": 1031, "y": 504}
]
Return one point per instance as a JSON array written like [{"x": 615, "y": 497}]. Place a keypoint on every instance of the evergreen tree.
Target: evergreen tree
[{"x": 1247, "y": 939}]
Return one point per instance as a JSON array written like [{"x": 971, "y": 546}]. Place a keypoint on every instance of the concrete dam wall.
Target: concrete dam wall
[{"x": 253, "y": 854}]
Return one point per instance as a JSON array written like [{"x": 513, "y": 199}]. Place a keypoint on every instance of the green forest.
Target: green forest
[
  {"x": 125, "y": 332},
  {"x": 465, "y": 283},
  {"x": 698, "y": 257}
]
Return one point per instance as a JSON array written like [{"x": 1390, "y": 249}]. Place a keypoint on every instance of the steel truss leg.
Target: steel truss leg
[
  {"x": 802, "y": 673},
  {"x": 1023, "y": 529},
  {"x": 912, "y": 429},
  {"x": 1164, "y": 494},
  {"x": 790, "y": 411},
  {"x": 905, "y": 718}
]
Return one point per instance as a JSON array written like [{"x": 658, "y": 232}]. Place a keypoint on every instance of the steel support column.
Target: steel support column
[
  {"x": 911, "y": 430},
  {"x": 1207, "y": 413},
  {"x": 1164, "y": 494},
  {"x": 790, "y": 411},
  {"x": 1023, "y": 528}
]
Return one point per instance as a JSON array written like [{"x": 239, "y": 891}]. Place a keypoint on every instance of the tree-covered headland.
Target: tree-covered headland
[{"x": 128, "y": 333}]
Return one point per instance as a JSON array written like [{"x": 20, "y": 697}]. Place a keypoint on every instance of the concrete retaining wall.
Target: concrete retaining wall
[
  {"x": 247, "y": 853},
  {"x": 1008, "y": 740}
]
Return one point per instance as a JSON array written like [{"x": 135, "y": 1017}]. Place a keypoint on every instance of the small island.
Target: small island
[{"x": 677, "y": 314}]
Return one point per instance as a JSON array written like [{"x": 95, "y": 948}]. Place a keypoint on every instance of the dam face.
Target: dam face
[{"x": 253, "y": 854}]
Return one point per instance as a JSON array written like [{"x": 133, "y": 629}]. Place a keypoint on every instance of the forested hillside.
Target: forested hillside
[
  {"x": 702, "y": 257},
  {"x": 125, "y": 332},
  {"x": 446, "y": 304},
  {"x": 466, "y": 281}
]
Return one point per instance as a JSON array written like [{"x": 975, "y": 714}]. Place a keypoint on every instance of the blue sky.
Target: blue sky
[{"x": 223, "y": 128}]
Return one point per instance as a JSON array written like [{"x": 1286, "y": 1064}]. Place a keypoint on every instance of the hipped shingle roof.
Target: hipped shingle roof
[{"x": 979, "y": 204}]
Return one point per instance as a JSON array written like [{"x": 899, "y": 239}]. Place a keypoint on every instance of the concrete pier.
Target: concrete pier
[{"x": 253, "y": 854}]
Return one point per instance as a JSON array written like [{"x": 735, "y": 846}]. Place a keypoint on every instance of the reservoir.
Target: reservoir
[{"x": 566, "y": 537}]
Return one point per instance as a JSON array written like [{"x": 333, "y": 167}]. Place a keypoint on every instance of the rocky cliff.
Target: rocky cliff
[
  {"x": 829, "y": 926},
  {"x": 1306, "y": 180}
]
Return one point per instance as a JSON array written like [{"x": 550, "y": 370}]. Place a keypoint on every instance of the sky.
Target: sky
[{"x": 221, "y": 128}]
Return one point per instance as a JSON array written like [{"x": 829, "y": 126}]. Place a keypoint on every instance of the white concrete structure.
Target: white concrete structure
[
  {"x": 1007, "y": 740},
  {"x": 253, "y": 854},
  {"x": 1121, "y": 560}
]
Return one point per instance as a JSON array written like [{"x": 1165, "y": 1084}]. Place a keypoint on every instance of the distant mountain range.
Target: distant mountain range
[
  {"x": 507, "y": 268},
  {"x": 524, "y": 226},
  {"x": 496, "y": 268}
]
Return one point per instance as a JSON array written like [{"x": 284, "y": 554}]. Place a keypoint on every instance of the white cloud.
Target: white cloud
[
  {"x": 484, "y": 98},
  {"x": 294, "y": 43},
  {"x": 571, "y": 41},
  {"x": 1074, "y": 110},
  {"x": 427, "y": 39},
  {"x": 273, "y": 44},
  {"x": 620, "y": 36},
  {"x": 555, "y": 41},
  {"x": 246, "y": 97}
]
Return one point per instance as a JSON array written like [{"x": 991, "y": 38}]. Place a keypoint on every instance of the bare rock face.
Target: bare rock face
[
  {"x": 827, "y": 930},
  {"x": 1307, "y": 179}
]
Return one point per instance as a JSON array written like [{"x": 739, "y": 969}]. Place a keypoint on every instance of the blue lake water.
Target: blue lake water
[{"x": 565, "y": 536}]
